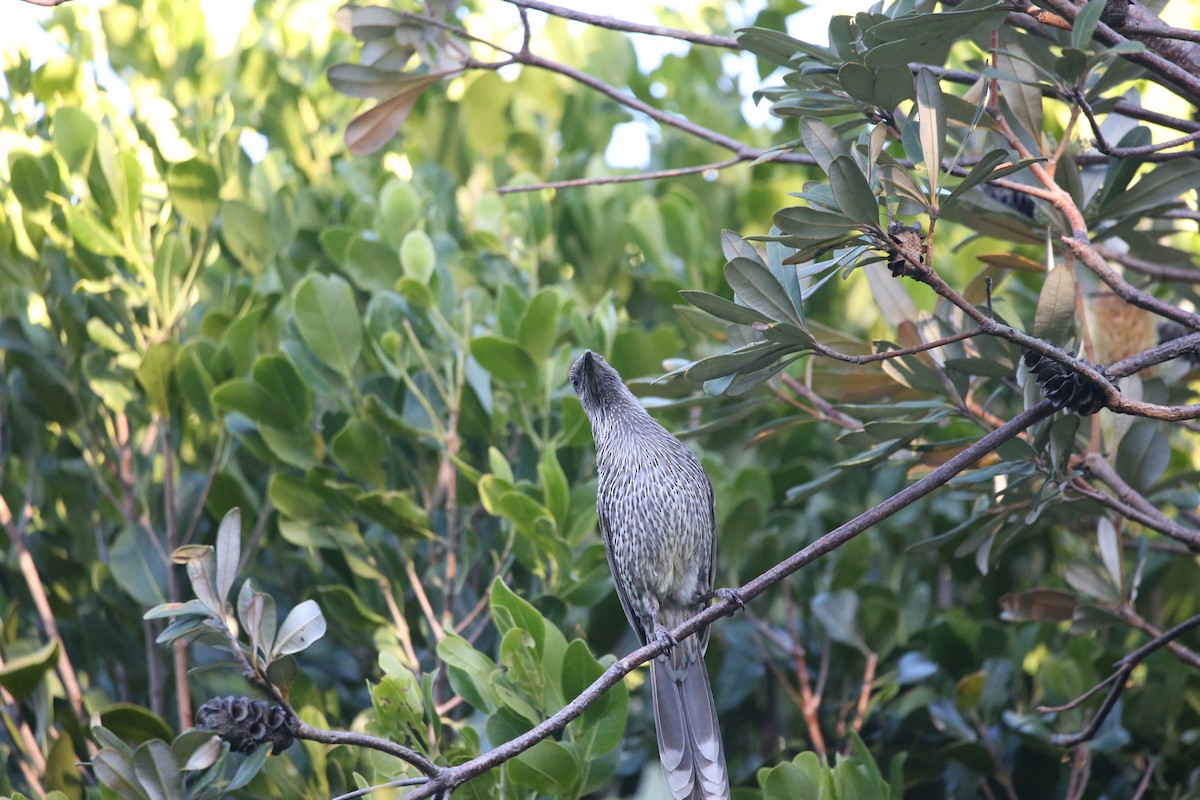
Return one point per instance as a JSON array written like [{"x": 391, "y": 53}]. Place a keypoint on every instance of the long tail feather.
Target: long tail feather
[{"x": 689, "y": 738}]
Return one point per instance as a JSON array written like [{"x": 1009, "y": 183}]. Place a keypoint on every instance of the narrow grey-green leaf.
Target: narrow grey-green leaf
[
  {"x": 1055, "y": 315},
  {"x": 822, "y": 141},
  {"x": 157, "y": 771},
  {"x": 229, "y": 552},
  {"x": 1085, "y": 23},
  {"x": 760, "y": 290},
  {"x": 722, "y": 308},
  {"x": 852, "y": 192},
  {"x": 932, "y": 112}
]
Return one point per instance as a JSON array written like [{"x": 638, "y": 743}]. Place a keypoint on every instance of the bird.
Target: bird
[{"x": 657, "y": 519}]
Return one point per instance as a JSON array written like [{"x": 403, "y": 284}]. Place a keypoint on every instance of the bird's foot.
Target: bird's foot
[
  {"x": 727, "y": 595},
  {"x": 661, "y": 634}
]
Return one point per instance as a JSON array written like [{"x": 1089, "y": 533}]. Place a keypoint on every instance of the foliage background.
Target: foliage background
[{"x": 366, "y": 355}]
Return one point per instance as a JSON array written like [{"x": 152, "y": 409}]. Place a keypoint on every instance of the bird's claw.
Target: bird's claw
[
  {"x": 664, "y": 636},
  {"x": 728, "y": 595}
]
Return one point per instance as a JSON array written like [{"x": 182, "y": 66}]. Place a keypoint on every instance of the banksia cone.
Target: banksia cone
[
  {"x": 246, "y": 723},
  {"x": 1064, "y": 387}
]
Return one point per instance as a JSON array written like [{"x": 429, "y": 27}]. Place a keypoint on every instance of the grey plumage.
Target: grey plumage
[{"x": 655, "y": 505}]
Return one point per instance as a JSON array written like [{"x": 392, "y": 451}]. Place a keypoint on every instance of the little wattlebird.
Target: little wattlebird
[{"x": 655, "y": 505}]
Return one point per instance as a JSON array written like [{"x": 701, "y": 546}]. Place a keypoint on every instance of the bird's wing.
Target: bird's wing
[
  {"x": 712, "y": 556},
  {"x": 616, "y": 574}
]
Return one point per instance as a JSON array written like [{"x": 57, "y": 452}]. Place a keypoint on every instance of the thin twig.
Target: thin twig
[
  {"x": 1162, "y": 272},
  {"x": 1118, "y": 681},
  {"x": 1126, "y": 152},
  {"x": 179, "y": 647},
  {"x": 628, "y": 27},
  {"x": 632, "y": 178}
]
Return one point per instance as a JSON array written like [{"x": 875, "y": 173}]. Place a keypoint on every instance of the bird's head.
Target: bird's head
[{"x": 596, "y": 382}]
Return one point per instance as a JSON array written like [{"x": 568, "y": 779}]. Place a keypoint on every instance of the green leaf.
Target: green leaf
[
  {"x": 116, "y": 772},
  {"x": 858, "y": 81},
  {"x": 932, "y": 111},
  {"x": 1021, "y": 91},
  {"x": 255, "y": 402},
  {"x": 246, "y": 233},
  {"x": 838, "y": 613},
  {"x": 74, "y": 137},
  {"x": 505, "y": 359},
  {"x": 21, "y": 675},
  {"x": 1055, "y": 315},
  {"x": 510, "y": 611},
  {"x": 723, "y": 309},
  {"x": 29, "y": 183},
  {"x": 822, "y": 142},
  {"x": 852, "y": 192},
  {"x": 538, "y": 328},
  {"x": 548, "y": 767},
  {"x": 418, "y": 256},
  {"x": 281, "y": 379},
  {"x": 759, "y": 289},
  {"x": 361, "y": 452},
  {"x": 470, "y": 672},
  {"x": 195, "y": 191},
  {"x": 329, "y": 321},
  {"x": 1085, "y": 23},
  {"x": 92, "y": 234},
  {"x": 249, "y": 768},
  {"x": 984, "y": 170},
  {"x": 157, "y": 771},
  {"x": 154, "y": 375},
  {"x": 809, "y": 223},
  {"x": 229, "y": 551},
  {"x": 138, "y": 567},
  {"x": 303, "y": 625},
  {"x": 1143, "y": 455},
  {"x": 134, "y": 724},
  {"x": 1161, "y": 187}
]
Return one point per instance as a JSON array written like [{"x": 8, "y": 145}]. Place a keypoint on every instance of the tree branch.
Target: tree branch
[
  {"x": 453, "y": 777},
  {"x": 1118, "y": 680},
  {"x": 629, "y": 27}
]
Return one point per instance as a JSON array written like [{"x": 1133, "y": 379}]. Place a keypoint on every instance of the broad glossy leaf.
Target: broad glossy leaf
[
  {"x": 417, "y": 256},
  {"x": 329, "y": 321},
  {"x": 22, "y": 674},
  {"x": 138, "y": 567},
  {"x": 154, "y": 375},
  {"x": 74, "y": 137},
  {"x": 505, "y": 359},
  {"x": 195, "y": 191},
  {"x": 361, "y": 452}
]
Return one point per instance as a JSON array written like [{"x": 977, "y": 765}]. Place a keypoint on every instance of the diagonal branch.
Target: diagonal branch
[{"x": 452, "y": 777}]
